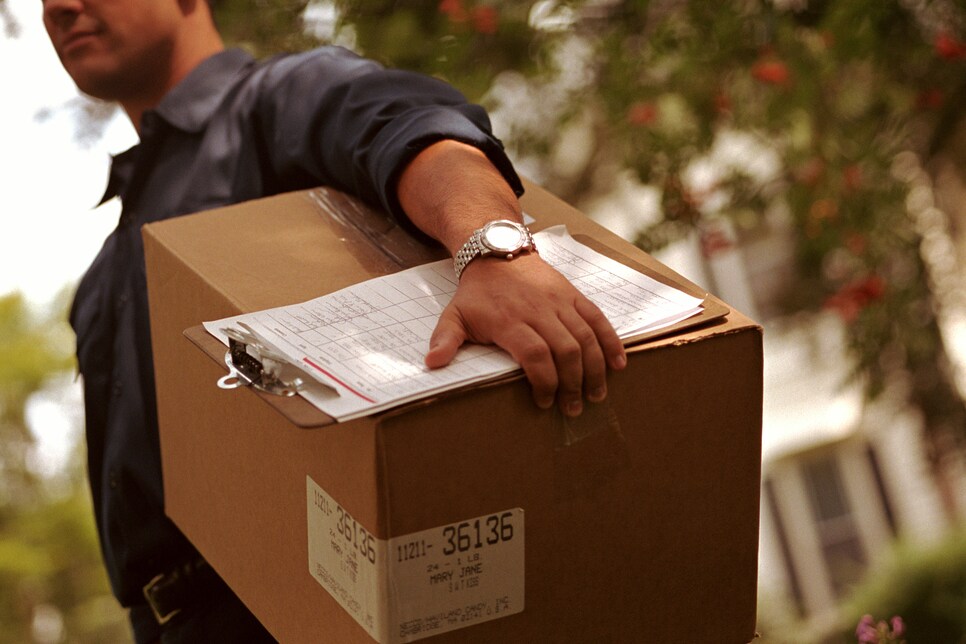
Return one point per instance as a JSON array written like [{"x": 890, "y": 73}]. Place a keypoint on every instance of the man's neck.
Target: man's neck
[{"x": 197, "y": 45}]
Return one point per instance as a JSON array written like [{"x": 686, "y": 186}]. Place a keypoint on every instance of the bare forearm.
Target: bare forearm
[{"x": 450, "y": 189}]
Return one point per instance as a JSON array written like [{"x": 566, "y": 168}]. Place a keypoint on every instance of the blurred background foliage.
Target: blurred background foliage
[
  {"x": 53, "y": 583},
  {"x": 927, "y": 588},
  {"x": 857, "y": 102},
  {"x": 850, "y": 111}
]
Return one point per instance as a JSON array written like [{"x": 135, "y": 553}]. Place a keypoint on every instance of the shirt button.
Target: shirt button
[
  {"x": 117, "y": 388},
  {"x": 112, "y": 479},
  {"x": 148, "y": 122}
]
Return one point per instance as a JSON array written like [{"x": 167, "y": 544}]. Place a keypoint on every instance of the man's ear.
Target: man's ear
[{"x": 189, "y": 7}]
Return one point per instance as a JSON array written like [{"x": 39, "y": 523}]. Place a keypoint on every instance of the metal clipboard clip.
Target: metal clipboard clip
[{"x": 252, "y": 362}]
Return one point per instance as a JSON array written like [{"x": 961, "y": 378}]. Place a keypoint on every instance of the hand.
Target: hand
[{"x": 560, "y": 338}]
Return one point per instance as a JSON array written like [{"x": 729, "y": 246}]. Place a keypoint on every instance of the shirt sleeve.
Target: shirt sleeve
[{"x": 352, "y": 124}]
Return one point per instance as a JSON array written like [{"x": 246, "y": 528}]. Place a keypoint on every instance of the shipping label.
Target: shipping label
[{"x": 421, "y": 584}]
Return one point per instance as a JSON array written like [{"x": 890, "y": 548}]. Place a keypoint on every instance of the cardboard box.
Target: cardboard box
[{"x": 471, "y": 517}]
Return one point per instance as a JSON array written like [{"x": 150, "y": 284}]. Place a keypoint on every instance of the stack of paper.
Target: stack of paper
[{"x": 364, "y": 345}]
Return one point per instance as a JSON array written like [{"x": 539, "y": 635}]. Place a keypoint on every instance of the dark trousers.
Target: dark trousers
[{"x": 216, "y": 616}]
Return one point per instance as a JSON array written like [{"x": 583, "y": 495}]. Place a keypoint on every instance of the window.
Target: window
[{"x": 835, "y": 523}]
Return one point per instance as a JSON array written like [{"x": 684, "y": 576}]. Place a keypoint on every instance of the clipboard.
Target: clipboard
[{"x": 303, "y": 414}]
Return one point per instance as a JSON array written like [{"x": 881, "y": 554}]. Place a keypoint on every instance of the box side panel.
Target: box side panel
[
  {"x": 644, "y": 530},
  {"x": 234, "y": 469},
  {"x": 177, "y": 295},
  {"x": 246, "y": 512},
  {"x": 249, "y": 469}
]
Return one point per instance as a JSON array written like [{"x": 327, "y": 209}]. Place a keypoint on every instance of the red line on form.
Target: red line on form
[{"x": 364, "y": 397}]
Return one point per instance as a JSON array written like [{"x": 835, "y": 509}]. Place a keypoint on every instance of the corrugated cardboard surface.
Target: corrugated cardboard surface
[{"x": 641, "y": 517}]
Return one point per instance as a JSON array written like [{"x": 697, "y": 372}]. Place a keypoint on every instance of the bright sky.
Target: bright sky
[
  {"x": 50, "y": 182},
  {"x": 48, "y": 231}
]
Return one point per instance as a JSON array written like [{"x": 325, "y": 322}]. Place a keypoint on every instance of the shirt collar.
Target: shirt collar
[
  {"x": 192, "y": 102},
  {"x": 122, "y": 168},
  {"x": 188, "y": 106}
]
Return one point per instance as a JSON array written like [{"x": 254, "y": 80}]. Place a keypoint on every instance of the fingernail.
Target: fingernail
[
  {"x": 597, "y": 395},
  {"x": 546, "y": 403},
  {"x": 574, "y": 408},
  {"x": 621, "y": 361}
]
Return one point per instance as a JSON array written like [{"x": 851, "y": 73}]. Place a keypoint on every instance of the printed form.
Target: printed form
[{"x": 363, "y": 347}]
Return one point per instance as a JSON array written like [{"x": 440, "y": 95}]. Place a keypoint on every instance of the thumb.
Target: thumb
[{"x": 448, "y": 336}]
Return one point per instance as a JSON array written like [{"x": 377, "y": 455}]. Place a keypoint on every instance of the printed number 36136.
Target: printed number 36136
[{"x": 470, "y": 535}]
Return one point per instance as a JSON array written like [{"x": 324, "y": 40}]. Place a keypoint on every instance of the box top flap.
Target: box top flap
[{"x": 323, "y": 240}]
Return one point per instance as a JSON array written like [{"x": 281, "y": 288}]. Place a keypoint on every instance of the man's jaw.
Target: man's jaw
[{"x": 79, "y": 36}]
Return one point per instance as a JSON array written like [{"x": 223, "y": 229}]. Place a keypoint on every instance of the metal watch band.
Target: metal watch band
[
  {"x": 470, "y": 250},
  {"x": 475, "y": 247}
]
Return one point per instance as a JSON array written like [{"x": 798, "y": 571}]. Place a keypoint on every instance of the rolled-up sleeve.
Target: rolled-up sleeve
[{"x": 350, "y": 123}]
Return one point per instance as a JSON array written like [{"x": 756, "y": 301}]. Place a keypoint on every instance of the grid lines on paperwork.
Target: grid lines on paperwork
[
  {"x": 374, "y": 335},
  {"x": 626, "y": 303},
  {"x": 367, "y": 343}
]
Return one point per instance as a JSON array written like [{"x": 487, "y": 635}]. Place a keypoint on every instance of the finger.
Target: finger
[
  {"x": 530, "y": 349},
  {"x": 448, "y": 336},
  {"x": 567, "y": 353},
  {"x": 594, "y": 368},
  {"x": 608, "y": 340}
]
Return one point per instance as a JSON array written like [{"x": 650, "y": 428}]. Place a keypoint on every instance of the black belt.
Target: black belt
[{"x": 178, "y": 589}]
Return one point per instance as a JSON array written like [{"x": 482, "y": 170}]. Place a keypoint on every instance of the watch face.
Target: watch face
[{"x": 503, "y": 237}]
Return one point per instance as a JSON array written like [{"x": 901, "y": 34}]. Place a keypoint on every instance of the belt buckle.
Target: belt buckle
[{"x": 148, "y": 591}]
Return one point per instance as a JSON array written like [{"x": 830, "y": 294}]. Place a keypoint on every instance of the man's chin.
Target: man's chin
[{"x": 98, "y": 81}]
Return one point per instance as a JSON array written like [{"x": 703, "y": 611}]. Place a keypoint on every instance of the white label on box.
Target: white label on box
[
  {"x": 346, "y": 559},
  {"x": 421, "y": 584}
]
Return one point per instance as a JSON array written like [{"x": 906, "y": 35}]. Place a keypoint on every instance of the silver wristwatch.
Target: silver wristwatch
[{"x": 503, "y": 238}]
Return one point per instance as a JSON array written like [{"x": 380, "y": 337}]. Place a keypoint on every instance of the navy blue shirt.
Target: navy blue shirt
[{"x": 233, "y": 130}]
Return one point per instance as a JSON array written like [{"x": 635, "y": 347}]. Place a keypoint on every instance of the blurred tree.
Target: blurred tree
[
  {"x": 31, "y": 352},
  {"x": 263, "y": 27},
  {"x": 859, "y": 103},
  {"x": 54, "y": 585},
  {"x": 10, "y": 27}
]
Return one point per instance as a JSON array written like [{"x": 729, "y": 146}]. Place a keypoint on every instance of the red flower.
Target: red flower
[
  {"x": 948, "y": 47},
  {"x": 715, "y": 241},
  {"x": 931, "y": 99},
  {"x": 847, "y": 308},
  {"x": 866, "y": 631},
  {"x": 823, "y": 209},
  {"x": 722, "y": 103},
  {"x": 852, "y": 177},
  {"x": 856, "y": 243},
  {"x": 771, "y": 71},
  {"x": 485, "y": 20},
  {"x": 872, "y": 287},
  {"x": 849, "y": 300},
  {"x": 642, "y": 113},
  {"x": 453, "y": 9},
  {"x": 810, "y": 172},
  {"x": 898, "y": 626}
]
